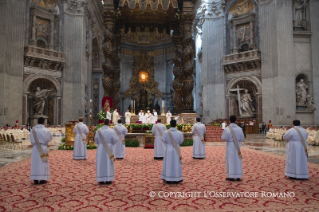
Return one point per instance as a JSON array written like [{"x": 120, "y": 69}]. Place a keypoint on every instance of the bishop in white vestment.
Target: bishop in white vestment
[
  {"x": 115, "y": 117},
  {"x": 40, "y": 170},
  {"x": 172, "y": 165},
  {"x": 168, "y": 117},
  {"x": 119, "y": 147},
  {"x": 104, "y": 165},
  {"x": 127, "y": 117},
  {"x": 296, "y": 166},
  {"x": 198, "y": 131},
  {"x": 79, "y": 150},
  {"x": 159, "y": 145},
  {"x": 233, "y": 161}
]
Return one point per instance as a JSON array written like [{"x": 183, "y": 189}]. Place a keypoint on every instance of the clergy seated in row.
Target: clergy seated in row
[
  {"x": 296, "y": 164},
  {"x": 105, "y": 138},
  {"x": 119, "y": 147},
  {"x": 172, "y": 165},
  {"x": 313, "y": 136},
  {"x": 280, "y": 132},
  {"x": 233, "y": 135},
  {"x": 199, "y": 131},
  {"x": 80, "y": 130},
  {"x": 39, "y": 138},
  {"x": 270, "y": 133},
  {"x": 159, "y": 145}
]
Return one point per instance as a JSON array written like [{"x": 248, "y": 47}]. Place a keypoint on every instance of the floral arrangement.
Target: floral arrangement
[
  {"x": 67, "y": 147},
  {"x": 102, "y": 114}
]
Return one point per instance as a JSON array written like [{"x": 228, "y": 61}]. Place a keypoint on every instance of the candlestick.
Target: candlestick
[
  {"x": 163, "y": 103},
  {"x": 90, "y": 100},
  {"x": 134, "y": 103}
]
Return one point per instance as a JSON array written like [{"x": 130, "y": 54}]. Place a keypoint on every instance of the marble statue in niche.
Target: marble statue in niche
[
  {"x": 310, "y": 103},
  {"x": 300, "y": 14},
  {"x": 40, "y": 98},
  {"x": 301, "y": 93},
  {"x": 246, "y": 104}
]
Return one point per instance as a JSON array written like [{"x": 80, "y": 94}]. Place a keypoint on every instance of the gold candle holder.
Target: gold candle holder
[
  {"x": 163, "y": 111},
  {"x": 91, "y": 134}
]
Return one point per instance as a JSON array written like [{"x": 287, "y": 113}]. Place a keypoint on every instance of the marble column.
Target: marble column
[{"x": 51, "y": 46}]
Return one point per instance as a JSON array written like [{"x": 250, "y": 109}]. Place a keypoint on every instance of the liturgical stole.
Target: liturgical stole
[
  {"x": 107, "y": 148},
  {"x": 119, "y": 135},
  {"x": 44, "y": 157},
  {"x": 81, "y": 134},
  {"x": 178, "y": 151},
  {"x": 200, "y": 137},
  {"x": 302, "y": 140},
  {"x": 235, "y": 141}
]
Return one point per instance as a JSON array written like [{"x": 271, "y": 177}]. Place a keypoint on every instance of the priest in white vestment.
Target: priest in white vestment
[
  {"x": 198, "y": 131},
  {"x": 233, "y": 161},
  {"x": 40, "y": 170},
  {"x": 159, "y": 145},
  {"x": 108, "y": 115},
  {"x": 141, "y": 116},
  {"x": 168, "y": 117},
  {"x": 104, "y": 165},
  {"x": 148, "y": 117},
  {"x": 119, "y": 147},
  {"x": 128, "y": 117},
  {"x": 172, "y": 165},
  {"x": 296, "y": 166},
  {"x": 115, "y": 117},
  {"x": 176, "y": 118},
  {"x": 155, "y": 116},
  {"x": 79, "y": 150}
]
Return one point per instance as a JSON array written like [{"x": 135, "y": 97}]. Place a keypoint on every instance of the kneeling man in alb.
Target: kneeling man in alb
[
  {"x": 199, "y": 131},
  {"x": 119, "y": 147},
  {"x": 105, "y": 138},
  {"x": 80, "y": 130},
  {"x": 40, "y": 137},
  {"x": 172, "y": 164},
  {"x": 159, "y": 145},
  {"x": 296, "y": 152},
  {"x": 233, "y": 135}
]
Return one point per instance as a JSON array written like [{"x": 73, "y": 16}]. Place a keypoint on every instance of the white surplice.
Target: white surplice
[
  {"x": 140, "y": 116},
  {"x": 155, "y": 117},
  {"x": 79, "y": 150},
  {"x": 159, "y": 145},
  {"x": 296, "y": 160},
  {"x": 198, "y": 145},
  {"x": 104, "y": 165},
  {"x": 127, "y": 118},
  {"x": 40, "y": 170},
  {"x": 168, "y": 118},
  {"x": 172, "y": 165},
  {"x": 115, "y": 117},
  {"x": 119, "y": 147},
  {"x": 176, "y": 119},
  {"x": 234, "y": 167},
  {"x": 108, "y": 115}
]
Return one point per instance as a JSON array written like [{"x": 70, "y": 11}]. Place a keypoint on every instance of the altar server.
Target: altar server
[
  {"x": 108, "y": 115},
  {"x": 127, "y": 117},
  {"x": 80, "y": 130},
  {"x": 119, "y": 147},
  {"x": 159, "y": 145},
  {"x": 233, "y": 135},
  {"x": 115, "y": 117},
  {"x": 155, "y": 115},
  {"x": 105, "y": 138},
  {"x": 168, "y": 117},
  {"x": 296, "y": 152},
  {"x": 199, "y": 131},
  {"x": 40, "y": 137},
  {"x": 141, "y": 116},
  {"x": 172, "y": 165}
]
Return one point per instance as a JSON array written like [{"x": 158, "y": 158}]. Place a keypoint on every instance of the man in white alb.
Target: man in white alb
[
  {"x": 172, "y": 165},
  {"x": 119, "y": 147},
  {"x": 105, "y": 138},
  {"x": 140, "y": 116},
  {"x": 108, "y": 115},
  {"x": 199, "y": 131},
  {"x": 168, "y": 117},
  {"x": 80, "y": 130},
  {"x": 224, "y": 125},
  {"x": 115, "y": 117},
  {"x": 296, "y": 152},
  {"x": 127, "y": 117},
  {"x": 155, "y": 115},
  {"x": 233, "y": 135},
  {"x": 159, "y": 145},
  {"x": 40, "y": 137},
  {"x": 176, "y": 118},
  {"x": 148, "y": 117}
]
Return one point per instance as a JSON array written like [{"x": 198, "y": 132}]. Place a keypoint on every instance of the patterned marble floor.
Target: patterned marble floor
[{"x": 255, "y": 141}]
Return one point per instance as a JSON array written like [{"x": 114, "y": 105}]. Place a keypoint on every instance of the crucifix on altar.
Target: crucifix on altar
[{"x": 238, "y": 97}]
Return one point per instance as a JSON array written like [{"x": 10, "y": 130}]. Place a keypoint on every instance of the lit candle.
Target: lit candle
[
  {"x": 163, "y": 103},
  {"x": 90, "y": 100},
  {"x": 134, "y": 103},
  {"x": 90, "y": 116},
  {"x": 90, "y": 110}
]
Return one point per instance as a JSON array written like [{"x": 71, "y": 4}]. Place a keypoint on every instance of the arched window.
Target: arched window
[{"x": 41, "y": 44}]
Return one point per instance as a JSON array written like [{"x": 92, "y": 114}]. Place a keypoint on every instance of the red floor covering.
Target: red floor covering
[{"x": 73, "y": 185}]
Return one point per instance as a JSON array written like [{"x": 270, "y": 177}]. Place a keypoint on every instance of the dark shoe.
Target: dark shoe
[
  {"x": 199, "y": 158},
  {"x": 108, "y": 182},
  {"x": 43, "y": 181},
  {"x": 230, "y": 179},
  {"x": 101, "y": 183},
  {"x": 36, "y": 182},
  {"x": 238, "y": 179},
  {"x": 119, "y": 158},
  {"x": 158, "y": 158}
]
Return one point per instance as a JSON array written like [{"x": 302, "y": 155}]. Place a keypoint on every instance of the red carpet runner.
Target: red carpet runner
[{"x": 73, "y": 187}]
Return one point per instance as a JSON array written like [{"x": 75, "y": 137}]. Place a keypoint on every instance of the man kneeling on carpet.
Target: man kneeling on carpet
[
  {"x": 172, "y": 165},
  {"x": 233, "y": 135},
  {"x": 40, "y": 137},
  {"x": 105, "y": 138}
]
